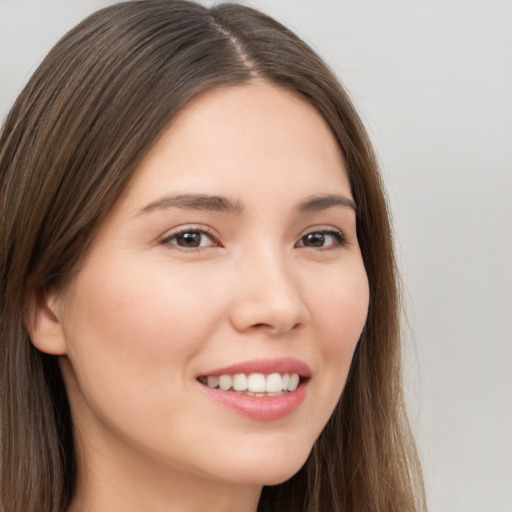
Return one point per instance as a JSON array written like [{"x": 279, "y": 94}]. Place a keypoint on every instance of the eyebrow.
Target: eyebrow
[
  {"x": 318, "y": 203},
  {"x": 223, "y": 204},
  {"x": 195, "y": 202}
]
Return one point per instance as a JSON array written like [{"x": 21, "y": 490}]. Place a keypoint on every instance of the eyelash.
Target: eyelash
[
  {"x": 202, "y": 230},
  {"x": 337, "y": 235}
]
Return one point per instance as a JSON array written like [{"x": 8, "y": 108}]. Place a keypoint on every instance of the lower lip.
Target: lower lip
[{"x": 262, "y": 408}]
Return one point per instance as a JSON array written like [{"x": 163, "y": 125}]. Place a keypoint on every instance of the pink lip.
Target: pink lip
[
  {"x": 280, "y": 365},
  {"x": 263, "y": 408}
]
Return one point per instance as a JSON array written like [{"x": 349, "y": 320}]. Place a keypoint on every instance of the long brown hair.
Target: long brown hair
[{"x": 70, "y": 144}]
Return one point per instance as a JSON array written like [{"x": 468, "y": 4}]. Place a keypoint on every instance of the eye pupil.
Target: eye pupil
[
  {"x": 190, "y": 239},
  {"x": 314, "y": 240}
]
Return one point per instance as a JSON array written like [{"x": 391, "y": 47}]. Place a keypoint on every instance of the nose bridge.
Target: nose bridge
[{"x": 269, "y": 293}]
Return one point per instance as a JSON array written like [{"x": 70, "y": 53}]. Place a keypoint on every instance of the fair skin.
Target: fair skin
[{"x": 175, "y": 287}]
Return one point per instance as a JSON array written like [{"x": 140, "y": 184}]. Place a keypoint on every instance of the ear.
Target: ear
[{"x": 44, "y": 326}]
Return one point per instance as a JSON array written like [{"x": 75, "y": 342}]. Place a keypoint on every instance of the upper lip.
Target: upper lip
[{"x": 267, "y": 366}]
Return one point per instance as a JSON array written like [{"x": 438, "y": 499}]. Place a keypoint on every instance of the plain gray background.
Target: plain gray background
[{"x": 433, "y": 82}]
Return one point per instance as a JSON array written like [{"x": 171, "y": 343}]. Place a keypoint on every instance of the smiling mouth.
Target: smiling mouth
[{"x": 254, "y": 384}]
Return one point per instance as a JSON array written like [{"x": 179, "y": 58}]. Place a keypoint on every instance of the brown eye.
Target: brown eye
[
  {"x": 190, "y": 239},
  {"x": 313, "y": 240},
  {"x": 322, "y": 239}
]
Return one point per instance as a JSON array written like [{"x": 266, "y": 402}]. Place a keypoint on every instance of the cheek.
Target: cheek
[
  {"x": 138, "y": 325},
  {"x": 340, "y": 307},
  {"x": 131, "y": 337},
  {"x": 133, "y": 303},
  {"x": 339, "y": 315}
]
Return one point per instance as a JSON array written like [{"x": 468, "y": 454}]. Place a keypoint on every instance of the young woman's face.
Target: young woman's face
[{"x": 231, "y": 259}]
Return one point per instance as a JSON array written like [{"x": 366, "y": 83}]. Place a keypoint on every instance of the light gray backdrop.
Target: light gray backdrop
[{"x": 433, "y": 81}]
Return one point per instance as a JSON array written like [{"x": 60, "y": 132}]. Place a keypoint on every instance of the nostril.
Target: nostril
[
  {"x": 275, "y": 329},
  {"x": 268, "y": 313}
]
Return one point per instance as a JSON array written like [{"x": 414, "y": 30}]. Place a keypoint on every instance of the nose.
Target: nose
[{"x": 268, "y": 296}]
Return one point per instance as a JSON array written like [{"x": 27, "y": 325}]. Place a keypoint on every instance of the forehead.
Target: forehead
[{"x": 237, "y": 139}]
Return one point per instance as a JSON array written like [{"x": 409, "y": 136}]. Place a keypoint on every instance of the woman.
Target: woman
[{"x": 199, "y": 303}]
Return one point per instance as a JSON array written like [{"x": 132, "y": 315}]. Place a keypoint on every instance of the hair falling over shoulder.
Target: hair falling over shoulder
[{"x": 126, "y": 71}]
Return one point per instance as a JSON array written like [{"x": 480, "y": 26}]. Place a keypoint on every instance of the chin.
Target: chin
[
  {"x": 280, "y": 477},
  {"x": 273, "y": 470}
]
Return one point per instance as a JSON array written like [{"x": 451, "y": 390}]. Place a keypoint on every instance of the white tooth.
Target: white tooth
[
  {"x": 274, "y": 383},
  {"x": 213, "y": 382},
  {"x": 256, "y": 383},
  {"x": 240, "y": 382},
  {"x": 225, "y": 382},
  {"x": 294, "y": 382},
  {"x": 286, "y": 381}
]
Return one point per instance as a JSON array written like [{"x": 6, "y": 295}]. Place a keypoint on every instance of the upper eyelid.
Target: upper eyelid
[
  {"x": 186, "y": 228},
  {"x": 342, "y": 241},
  {"x": 322, "y": 228}
]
